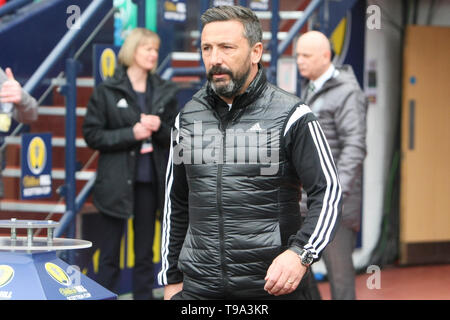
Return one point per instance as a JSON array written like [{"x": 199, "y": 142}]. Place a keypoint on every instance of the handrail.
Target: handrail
[
  {"x": 164, "y": 64},
  {"x": 84, "y": 193},
  {"x": 19, "y": 127},
  {"x": 66, "y": 219},
  {"x": 12, "y": 6},
  {"x": 298, "y": 25},
  {"x": 62, "y": 46},
  {"x": 185, "y": 71},
  {"x": 73, "y": 202}
]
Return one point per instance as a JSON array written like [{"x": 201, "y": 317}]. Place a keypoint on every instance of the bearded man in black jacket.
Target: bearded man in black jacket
[{"x": 241, "y": 149}]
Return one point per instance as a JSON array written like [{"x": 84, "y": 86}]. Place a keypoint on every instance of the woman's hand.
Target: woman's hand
[
  {"x": 141, "y": 132},
  {"x": 151, "y": 121}
]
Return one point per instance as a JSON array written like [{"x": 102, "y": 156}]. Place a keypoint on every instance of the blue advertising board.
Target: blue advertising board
[
  {"x": 36, "y": 166},
  {"x": 89, "y": 259},
  {"x": 43, "y": 276}
]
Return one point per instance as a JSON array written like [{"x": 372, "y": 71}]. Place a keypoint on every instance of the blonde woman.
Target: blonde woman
[{"x": 128, "y": 120}]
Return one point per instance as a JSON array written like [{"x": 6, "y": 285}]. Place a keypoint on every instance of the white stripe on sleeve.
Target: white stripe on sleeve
[
  {"x": 162, "y": 275},
  {"x": 327, "y": 218},
  {"x": 298, "y": 113}
]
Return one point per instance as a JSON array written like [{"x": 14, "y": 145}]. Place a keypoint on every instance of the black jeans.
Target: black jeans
[{"x": 145, "y": 206}]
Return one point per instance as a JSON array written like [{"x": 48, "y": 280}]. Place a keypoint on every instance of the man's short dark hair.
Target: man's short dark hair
[{"x": 252, "y": 26}]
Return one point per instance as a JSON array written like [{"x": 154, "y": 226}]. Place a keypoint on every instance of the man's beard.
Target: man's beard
[{"x": 234, "y": 85}]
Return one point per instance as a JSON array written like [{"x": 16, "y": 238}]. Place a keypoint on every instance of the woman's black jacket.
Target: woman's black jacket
[{"x": 112, "y": 112}]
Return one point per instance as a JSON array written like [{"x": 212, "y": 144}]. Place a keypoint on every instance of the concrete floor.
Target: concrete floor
[
  {"x": 402, "y": 283},
  {"x": 396, "y": 283}
]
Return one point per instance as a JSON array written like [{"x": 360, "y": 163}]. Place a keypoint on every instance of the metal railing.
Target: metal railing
[
  {"x": 63, "y": 46},
  {"x": 298, "y": 25},
  {"x": 68, "y": 190},
  {"x": 13, "y": 6}
]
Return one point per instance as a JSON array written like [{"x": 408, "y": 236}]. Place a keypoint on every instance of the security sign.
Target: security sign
[{"x": 36, "y": 156}]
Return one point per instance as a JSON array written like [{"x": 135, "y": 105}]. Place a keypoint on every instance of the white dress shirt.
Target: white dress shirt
[{"x": 320, "y": 81}]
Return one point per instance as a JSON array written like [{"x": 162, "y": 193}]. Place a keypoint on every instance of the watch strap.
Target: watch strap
[{"x": 300, "y": 252}]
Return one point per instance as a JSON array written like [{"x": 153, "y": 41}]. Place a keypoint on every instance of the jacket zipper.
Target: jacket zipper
[{"x": 220, "y": 211}]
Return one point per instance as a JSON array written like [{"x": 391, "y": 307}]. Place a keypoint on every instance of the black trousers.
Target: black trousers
[
  {"x": 301, "y": 293},
  {"x": 145, "y": 206}
]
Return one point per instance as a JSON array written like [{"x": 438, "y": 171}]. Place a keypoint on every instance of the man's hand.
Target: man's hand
[
  {"x": 284, "y": 274},
  {"x": 11, "y": 90},
  {"x": 172, "y": 289}
]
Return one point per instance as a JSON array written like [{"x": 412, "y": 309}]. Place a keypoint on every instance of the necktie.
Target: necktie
[{"x": 309, "y": 92}]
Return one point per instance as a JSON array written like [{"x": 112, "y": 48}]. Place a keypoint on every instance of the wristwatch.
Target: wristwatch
[{"x": 306, "y": 257}]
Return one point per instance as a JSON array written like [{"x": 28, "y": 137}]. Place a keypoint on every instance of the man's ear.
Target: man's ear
[
  {"x": 256, "y": 53},
  {"x": 328, "y": 55}
]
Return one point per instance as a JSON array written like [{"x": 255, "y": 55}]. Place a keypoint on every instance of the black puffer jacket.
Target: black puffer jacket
[
  {"x": 233, "y": 190},
  {"x": 108, "y": 127}
]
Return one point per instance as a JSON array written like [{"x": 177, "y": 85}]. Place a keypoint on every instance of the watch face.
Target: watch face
[{"x": 307, "y": 257}]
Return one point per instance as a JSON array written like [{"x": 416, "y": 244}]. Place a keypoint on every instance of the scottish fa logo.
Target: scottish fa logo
[
  {"x": 58, "y": 274},
  {"x": 6, "y": 275},
  {"x": 36, "y": 155},
  {"x": 107, "y": 64}
]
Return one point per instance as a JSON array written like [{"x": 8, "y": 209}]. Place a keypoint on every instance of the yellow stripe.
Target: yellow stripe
[
  {"x": 338, "y": 36},
  {"x": 130, "y": 259},
  {"x": 157, "y": 242},
  {"x": 130, "y": 244},
  {"x": 122, "y": 253},
  {"x": 96, "y": 260}
]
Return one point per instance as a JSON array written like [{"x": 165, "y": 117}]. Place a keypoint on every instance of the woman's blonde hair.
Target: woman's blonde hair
[{"x": 135, "y": 38}]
